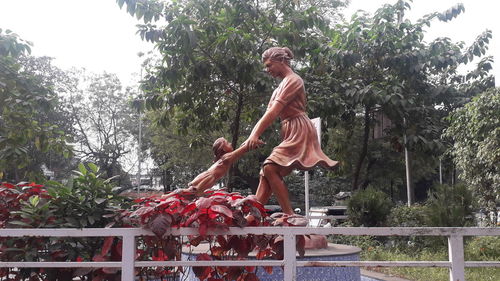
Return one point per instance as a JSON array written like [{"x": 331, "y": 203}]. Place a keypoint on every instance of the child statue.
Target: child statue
[{"x": 224, "y": 157}]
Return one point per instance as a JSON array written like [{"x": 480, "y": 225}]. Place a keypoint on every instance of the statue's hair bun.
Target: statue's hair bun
[{"x": 283, "y": 54}]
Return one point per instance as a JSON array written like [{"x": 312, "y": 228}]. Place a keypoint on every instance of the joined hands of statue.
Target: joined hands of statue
[{"x": 253, "y": 142}]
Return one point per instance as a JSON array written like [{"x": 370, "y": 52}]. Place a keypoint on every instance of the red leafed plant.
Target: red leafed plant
[
  {"x": 216, "y": 210},
  {"x": 30, "y": 205}
]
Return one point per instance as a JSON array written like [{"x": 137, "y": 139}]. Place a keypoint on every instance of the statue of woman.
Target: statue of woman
[{"x": 299, "y": 148}]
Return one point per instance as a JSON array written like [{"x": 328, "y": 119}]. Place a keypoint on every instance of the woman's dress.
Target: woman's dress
[{"x": 300, "y": 147}]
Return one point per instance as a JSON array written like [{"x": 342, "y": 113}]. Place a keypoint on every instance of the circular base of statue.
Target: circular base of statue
[{"x": 334, "y": 252}]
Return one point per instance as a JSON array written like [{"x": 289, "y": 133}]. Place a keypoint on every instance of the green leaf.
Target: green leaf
[
  {"x": 72, "y": 221},
  {"x": 100, "y": 200},
  {"x": 20, "y": 223},
  {"x": 53, "y": 183},
  {"x": 82, "y": 169},
  {"x": 37, "y": 143},
  {"x": 111, "y": 178},
  {"x": 34, "y": 200},
  {"x": 120, "y": 3},
  {"x": 139, "y": 14},
  {"x": 13, "y": 250}
]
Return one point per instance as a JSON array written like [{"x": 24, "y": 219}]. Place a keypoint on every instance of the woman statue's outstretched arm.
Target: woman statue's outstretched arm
[{"x": 265, "y": 121}]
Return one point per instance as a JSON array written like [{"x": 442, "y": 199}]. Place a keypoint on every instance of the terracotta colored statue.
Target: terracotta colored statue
[
  {"x": 299, "y": 148},
  {"x": 224, "y": 157}
]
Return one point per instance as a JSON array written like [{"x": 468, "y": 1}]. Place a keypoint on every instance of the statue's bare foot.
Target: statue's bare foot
[
  {"x": 194, "y": 190},
  {"x": 251, "y": 220}
]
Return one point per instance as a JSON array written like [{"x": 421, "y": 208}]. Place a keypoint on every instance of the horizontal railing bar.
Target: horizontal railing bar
[
  {"x": 316, "y": 263},
  {"x": 396, "y": 263},
  {"x": 248, "y": 263},
  {"x": 482, "y": 264},
  {"x": 60, "y": 264},
  {"x": 394, "y": 231},
  {"x": 374, "y": 231},
  {"x": 327, "y": 217},
  {"x": 211, "y": 263},
  {"x": 73, "y": 232},
  {"x": 141, "y": 264},
  {"x": 374, "y": 263}
]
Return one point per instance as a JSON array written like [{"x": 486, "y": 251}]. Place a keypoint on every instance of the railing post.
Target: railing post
[
  {"x": 128, "y": 257},
  {"x": 456, "y": 257},
  {"x": 289, "y": 257}
]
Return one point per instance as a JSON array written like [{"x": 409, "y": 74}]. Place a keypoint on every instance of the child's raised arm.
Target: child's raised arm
[
  {"x": 236, "y": 154},
  {"x": 208, "y": 178}
]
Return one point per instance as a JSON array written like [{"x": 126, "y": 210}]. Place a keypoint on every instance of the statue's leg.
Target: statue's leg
[
  {"x": 273, "y": 174},
  {"x": 264, "y": 192}
]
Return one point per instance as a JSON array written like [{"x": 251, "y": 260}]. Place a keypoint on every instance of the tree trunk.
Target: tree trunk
[
  {"x": 252, "y": 180},
  {"x": 235, "y": 134},
  {"x": 366, "y": 180},
  {"x": 166, "y": 180},
  {"x": 109, "y": 171},
  {"x": 364, "y": 150},
  {"x": 16, "y": 175}
]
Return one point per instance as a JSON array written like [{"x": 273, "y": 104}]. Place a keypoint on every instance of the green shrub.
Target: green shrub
[
  {"x": 369, "y": 207},
  {"x": 88, "y": 201},
  {"x": 450, "y": 206},
  {"x": 407, "y": 216}
]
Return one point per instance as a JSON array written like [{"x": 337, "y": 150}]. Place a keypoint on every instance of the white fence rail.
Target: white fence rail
[{"x": 456, "y": 263}]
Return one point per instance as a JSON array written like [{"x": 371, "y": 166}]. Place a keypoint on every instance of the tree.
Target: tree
[
  {"x": 28, "y": 112},
  {"x": 104, "y": 122},
  {"x": 62, "y": 83},
  {"x": 177, "y": 160},
  {"x": 210, "y": 78},
  {"x": 380, "y": 63},
  {"x": 475, "y": 134}
]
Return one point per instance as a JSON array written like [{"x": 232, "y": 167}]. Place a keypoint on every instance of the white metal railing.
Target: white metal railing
[{"x": 456, "y": 263}]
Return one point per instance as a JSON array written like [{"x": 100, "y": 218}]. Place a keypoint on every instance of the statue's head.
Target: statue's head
[
  {"x": 280, "y": 54},
  {"x": 220, "y": 147}
]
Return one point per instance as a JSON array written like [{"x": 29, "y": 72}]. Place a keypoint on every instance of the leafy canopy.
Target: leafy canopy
[
  {"x": 475, "y": 134},
  {"x": 26, "y": 107}
]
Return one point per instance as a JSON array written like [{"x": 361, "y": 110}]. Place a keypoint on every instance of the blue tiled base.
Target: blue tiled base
[
  {"x": 318, "y": 273},
  {"x": 304, "y": 273}
]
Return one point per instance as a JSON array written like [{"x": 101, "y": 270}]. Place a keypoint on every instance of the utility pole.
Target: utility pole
[
  {"x": 139, "y": 149},
  {"x": 139, "y": 158},
  {"x": 409, "y": 186}
]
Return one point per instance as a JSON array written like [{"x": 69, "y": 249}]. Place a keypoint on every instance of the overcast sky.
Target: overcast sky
[{"x": 97, "y": 35}]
